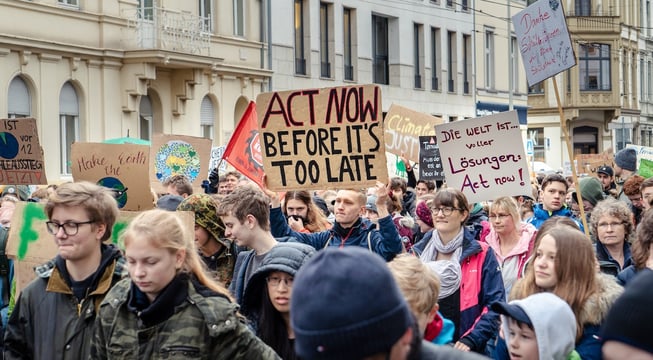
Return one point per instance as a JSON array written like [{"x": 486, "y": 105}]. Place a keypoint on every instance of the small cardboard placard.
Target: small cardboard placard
[
  {"x": 322, "y": 138},
  {"x": 481, "y": 165},
  {"x": 30, "y": 244},
  {"x": 216, "y": 156},
  {"x": 179, "y": 154},
  {"x": 122, "y": 167},
  {"x": 430, "y": 161},
  {"x": 403, "y": 128},
  {"x": 21, "y": 156},
  {"x": 544, "y": 41}
]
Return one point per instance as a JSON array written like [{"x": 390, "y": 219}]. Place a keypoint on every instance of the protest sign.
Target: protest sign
[
  {"x": 403, "y": 127},
  {"x": 216, "y": 155},
  {"x": 21, "y": 156},
  {"x": 484, "y": 157},
  {"x": 30, "y": 244},
  {"x": 179, "y": 154},
  {"x": 322, "y": 138},
  {"x": 544, "y": 41},
  {"x": 121, "y": 167},
  {"x": 643, "y": 152},
  {"x": 589, "y": 163},
  {"x": 430, "y": 161},
  {"x": 645, "y": 168},
  {"x": 243, "y": 151}
]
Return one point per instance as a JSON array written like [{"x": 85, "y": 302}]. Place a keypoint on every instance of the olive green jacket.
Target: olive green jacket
[{"x": 202, "y": 327}]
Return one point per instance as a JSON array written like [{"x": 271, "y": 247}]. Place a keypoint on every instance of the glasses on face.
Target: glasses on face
[
  {"x": 446, "y": 210},
  {"x": 498, "y": 216},
  {"x": 274, "y": 281},
  {"x": 611, "y": 225},
  {"x": 70, "y": 228}
]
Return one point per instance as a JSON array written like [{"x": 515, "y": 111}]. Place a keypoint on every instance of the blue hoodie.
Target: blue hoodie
[{"x": 540, "y": 216}]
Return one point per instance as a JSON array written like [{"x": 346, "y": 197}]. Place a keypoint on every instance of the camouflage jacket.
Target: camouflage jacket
[
  {"x": 202, "y": 327},
  {"x": 48, "y": 322}
]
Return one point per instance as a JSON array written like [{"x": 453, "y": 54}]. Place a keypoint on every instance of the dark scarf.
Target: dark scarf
[
  {"x": 163, "y": 307},
  {"x": 345, "y": 232}
]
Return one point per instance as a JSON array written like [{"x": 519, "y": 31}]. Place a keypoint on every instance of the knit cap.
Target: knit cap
[
  {"x": 346, "y": 305},
  {"x": 591, "y": 190},
  {"x": 22, "y": 192},
  {"x": 630, "y": 320},
  {"x": 626, "y": 159},
  {"x": 206, "y": 215},
  {"x": 424, "y": 213},
  {"x": 169, "y": 202}
]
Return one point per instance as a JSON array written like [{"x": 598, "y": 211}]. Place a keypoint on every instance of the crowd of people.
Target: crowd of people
[{"x": 404, "y": 270}]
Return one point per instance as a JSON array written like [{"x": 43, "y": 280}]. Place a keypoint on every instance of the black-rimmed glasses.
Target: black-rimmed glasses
[
  {"x": 446, "y": 210},
  {"x": 70, "y": 228}
]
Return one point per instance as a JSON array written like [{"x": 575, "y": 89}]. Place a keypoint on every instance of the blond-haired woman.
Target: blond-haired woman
[{"x": 169, "y": 307}]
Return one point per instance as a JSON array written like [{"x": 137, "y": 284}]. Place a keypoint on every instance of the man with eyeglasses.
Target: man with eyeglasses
[{"x": 55, "y": 314}]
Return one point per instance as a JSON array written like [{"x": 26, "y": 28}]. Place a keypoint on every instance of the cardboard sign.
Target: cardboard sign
[
  {"x": 430, "y": 161},
  {"x": 643, "y": 152},
  {"x": 30, "y": 244},
  {"x": 322, "y": 138},
  {"x": 21, "y": 156},
  {"x": 122, "y": 167},
  {"x": 589, "y": 163},
  {"x": 484, "y": 157},
  {"x": 403, "y": 128},
  {"x": 179, "y": 154},
  {"x": 544, "y": 41}
]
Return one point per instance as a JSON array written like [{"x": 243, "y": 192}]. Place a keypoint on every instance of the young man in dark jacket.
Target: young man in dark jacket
[{"x": 55, "y": 314}]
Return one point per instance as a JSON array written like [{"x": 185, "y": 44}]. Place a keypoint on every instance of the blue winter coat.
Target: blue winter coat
[
  {"x": 472, "y": 333},
  {"x": 385, "y": 241},
  {"x": 540, "y": 216}
]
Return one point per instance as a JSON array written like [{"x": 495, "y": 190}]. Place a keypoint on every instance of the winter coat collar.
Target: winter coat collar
[
  {"x": 597, "y": 306},
  {"x": 526, "y": 235}
]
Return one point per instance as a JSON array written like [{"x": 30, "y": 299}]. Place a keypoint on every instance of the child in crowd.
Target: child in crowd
[{"x": 540, "y": 326}]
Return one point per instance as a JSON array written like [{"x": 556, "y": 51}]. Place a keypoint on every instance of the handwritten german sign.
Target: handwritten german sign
[
  {"x": 544, "y": 41},
  {"x": 484, "y": 157},
  {"x": 403, "y": 127},
  {"x": 121, "y": 167},
  {"x": 21, "y": 156},
  {"x": 322, "y": 138},
  {"x": 430, "y": 161}
]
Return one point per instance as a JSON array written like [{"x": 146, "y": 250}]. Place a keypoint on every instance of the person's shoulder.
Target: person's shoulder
[
  {"x": 118, "y": 293},
  {"x": 434, "y": 352}
]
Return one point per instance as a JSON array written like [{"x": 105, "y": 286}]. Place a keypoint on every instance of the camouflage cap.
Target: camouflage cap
[{"x": 206, "y": 215}]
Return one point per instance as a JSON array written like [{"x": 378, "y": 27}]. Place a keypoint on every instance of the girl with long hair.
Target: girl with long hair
[{"x": 169, "y": 306}]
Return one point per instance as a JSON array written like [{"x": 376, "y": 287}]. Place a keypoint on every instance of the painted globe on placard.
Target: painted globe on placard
[
  {"x": 177, "y": 157},
  {"x": 8, "y": 145},
  {"x": 120, "y": 192}
]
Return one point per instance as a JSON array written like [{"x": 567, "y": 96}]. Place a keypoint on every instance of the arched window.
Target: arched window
[
  {"x": 145, "y": 115},
  {"x": 69, "y": 124},
  {"x": 19, "y": 99},
  {"x": 207, "y": 115}
]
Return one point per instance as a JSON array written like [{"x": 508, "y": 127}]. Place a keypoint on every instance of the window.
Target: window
[
  {"x": 347, "y": 32},
  {"x": 19, "y": 99},
  {"x": 537, "y": 136},
  {"x": 642, "y": 77},
  {"x": 146, "y": 9},
  {"x": 380, "y": 49},
  {"x": 206, "y": 12},
  {"x": 325, "y": 64},
  {"x": 239, "y": 18},
  {"x": 594, "y": 66},
  {"x": 464, "y": 5},
  {"x": 583, "y": 7},
  {"x": 207, "y": 115},
  {"x": 417, "y": 55},
  {"x": 537, "y": 88},
  {"x": 450, "y": 3},
  {"x": 68, "y": 125},
  {"x": 69, "y": 2},
  {"x": 489, "y": 59},
  {"x": 624, "y": 72},
  {"x": 467, "y": 64},
  {"x": 300, "y": 59},
  {"x": 146, "y": 116},
  {"x": 451, "y": 61},
  {"x": 436, "y": 61},
  {"x": 514, "y": 58},
  {"x": 650, "y": 81}
]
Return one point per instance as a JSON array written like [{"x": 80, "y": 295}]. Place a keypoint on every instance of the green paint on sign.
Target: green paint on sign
[
  {"x": 118, "y": 228},
  {"x": 32, "y": 213}
]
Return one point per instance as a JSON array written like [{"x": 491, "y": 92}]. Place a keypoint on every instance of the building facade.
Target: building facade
[
  {"x": 600, "y": 96},
  {"x": 94, "y": 70}
]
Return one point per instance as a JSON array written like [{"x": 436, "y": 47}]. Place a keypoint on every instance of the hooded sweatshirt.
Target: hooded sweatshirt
[{"x": 553, "y": 322}]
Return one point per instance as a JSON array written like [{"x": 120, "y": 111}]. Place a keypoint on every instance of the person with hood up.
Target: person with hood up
[
  {"x": 67, "y": 291},
  {"x": 217, "y": 252},
  {"x": 540, "y": 326},
  {"x": 268, "y": 296}
]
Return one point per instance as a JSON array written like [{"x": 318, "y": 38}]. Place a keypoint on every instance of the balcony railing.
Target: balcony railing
[{"x": 165, "y": 29}]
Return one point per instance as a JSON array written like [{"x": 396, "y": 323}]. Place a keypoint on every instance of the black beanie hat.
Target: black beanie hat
[
  {"x": 346, "y": 305},
  {"x": 630, "y": 319}
]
